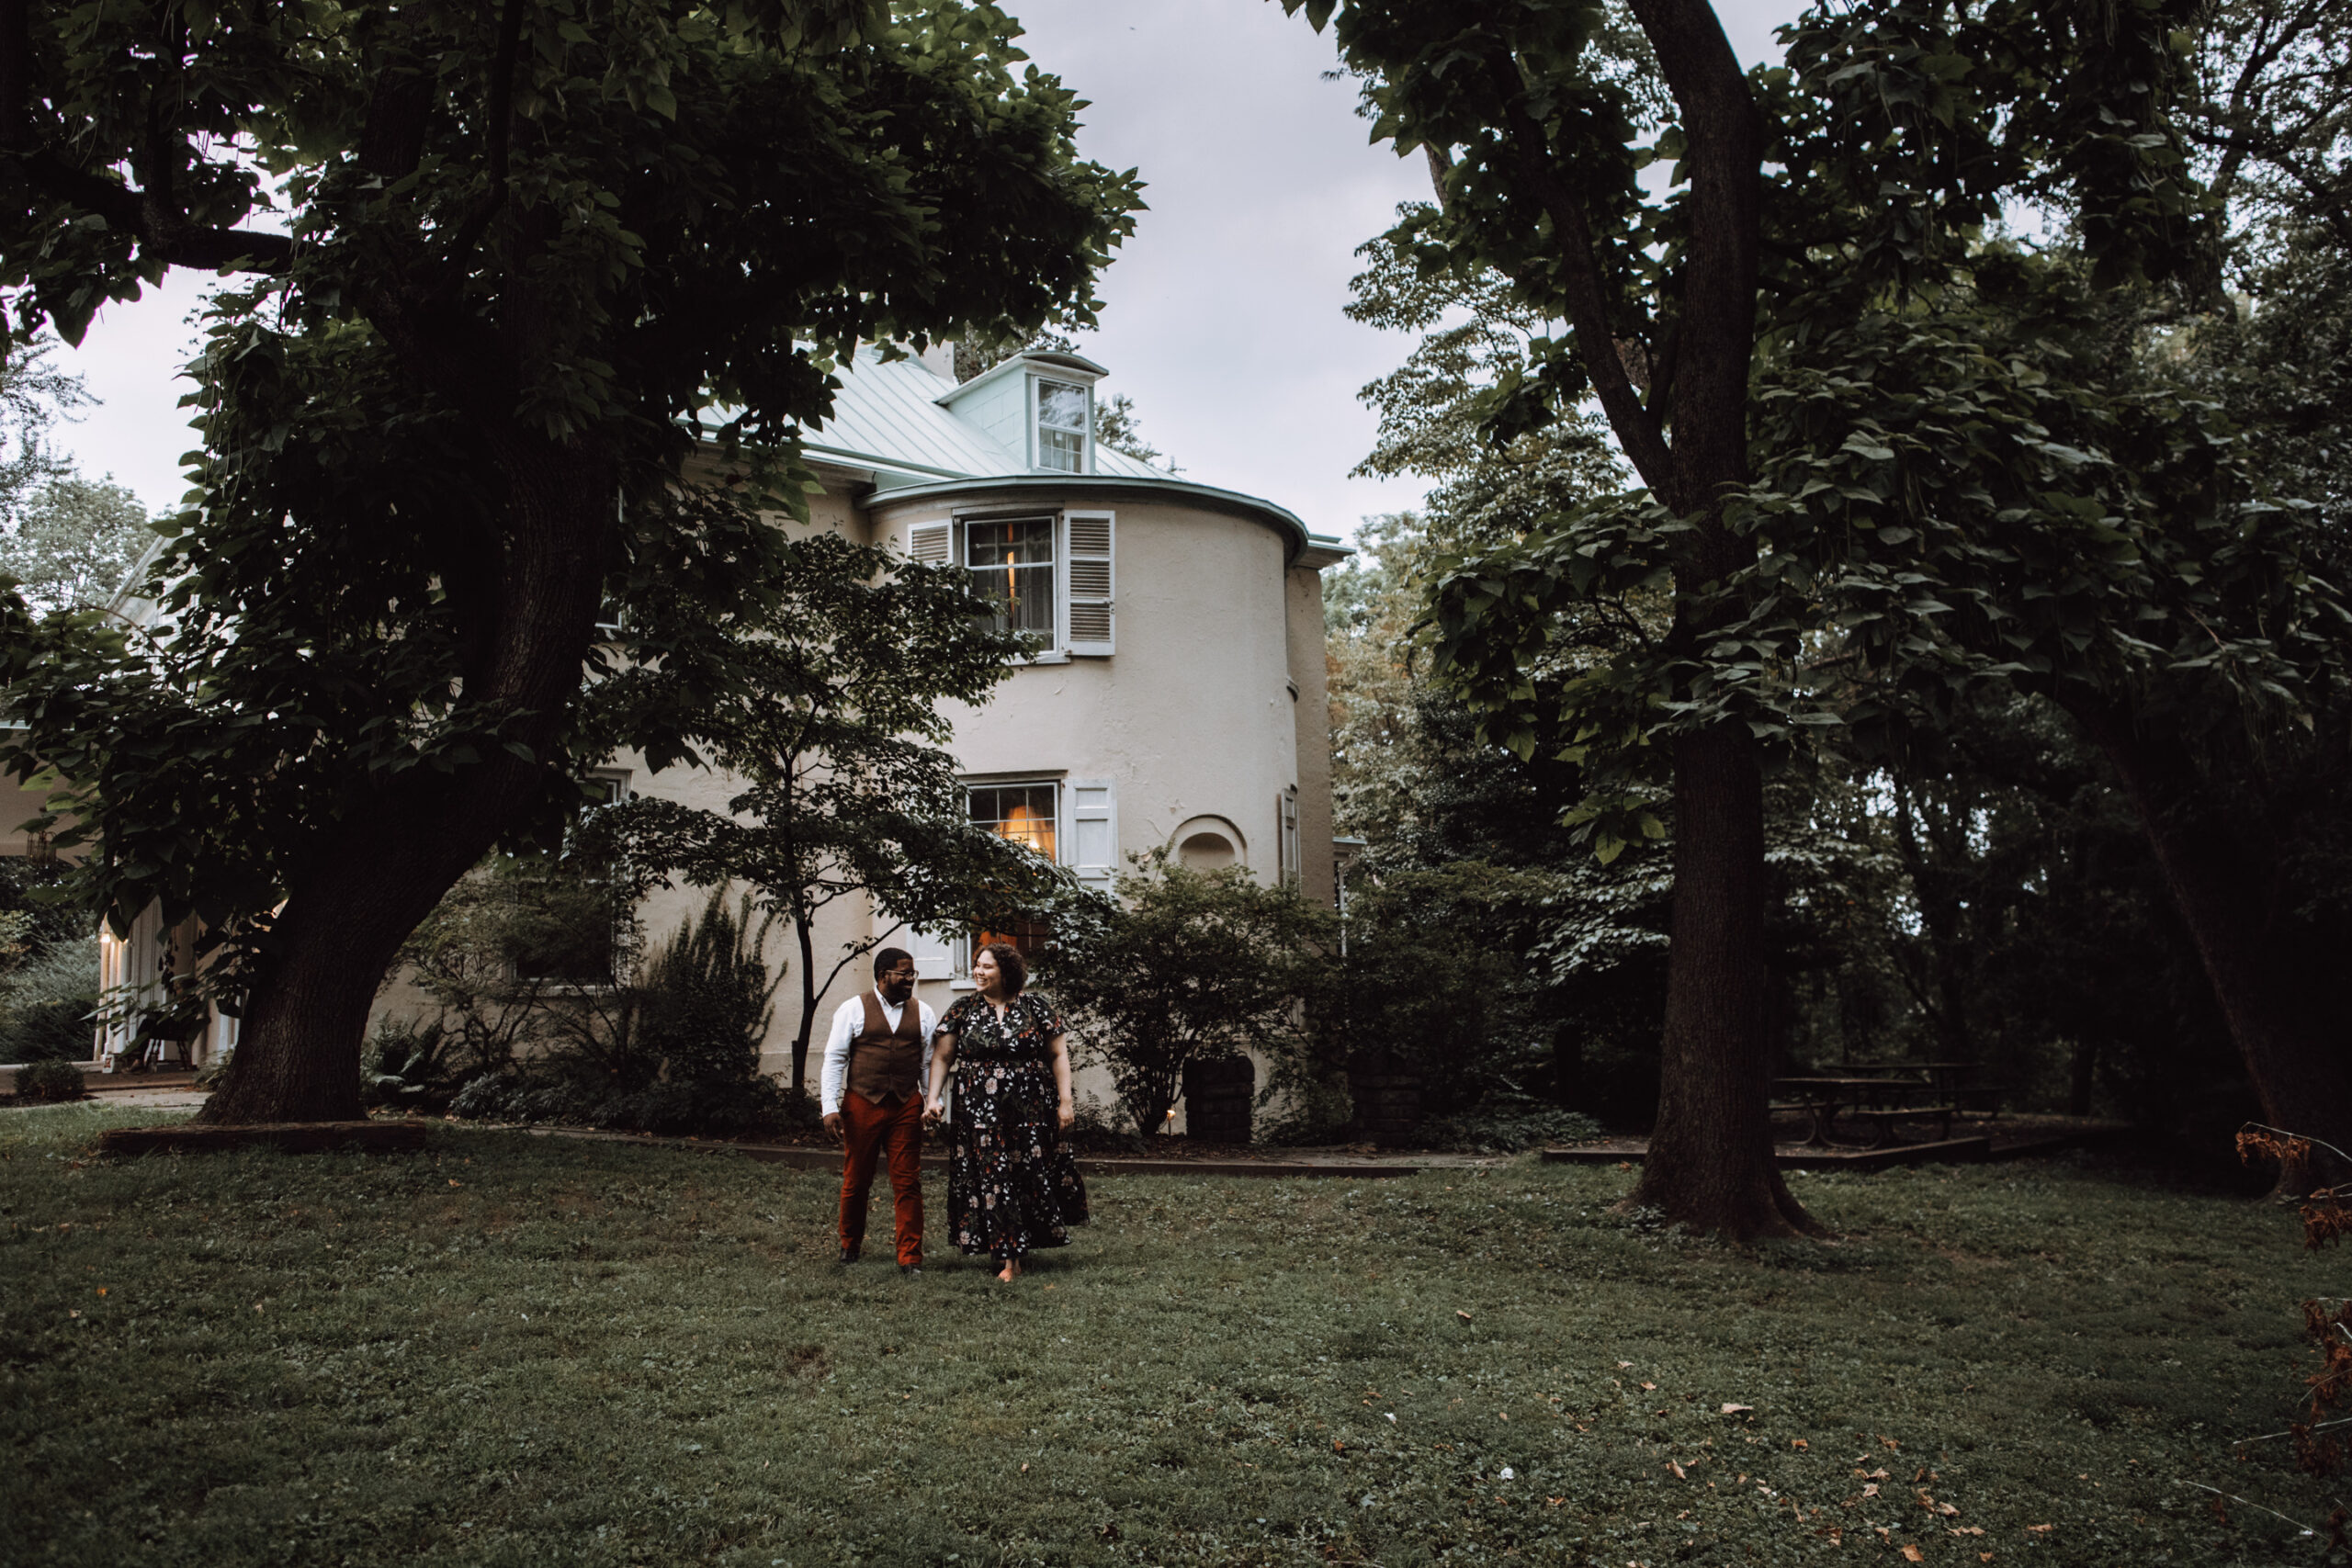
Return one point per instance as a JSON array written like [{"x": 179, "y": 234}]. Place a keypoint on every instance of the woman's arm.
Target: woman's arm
[
  {"x": 1068, "y": 1108},
  {"x": 943, "y": 1056}
]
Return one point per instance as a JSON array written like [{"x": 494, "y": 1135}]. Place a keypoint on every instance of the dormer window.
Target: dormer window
[{"x": 1061, "y": 426}]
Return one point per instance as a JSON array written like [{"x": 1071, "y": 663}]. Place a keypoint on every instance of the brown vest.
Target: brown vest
[{"x": 884, "y": 1062}]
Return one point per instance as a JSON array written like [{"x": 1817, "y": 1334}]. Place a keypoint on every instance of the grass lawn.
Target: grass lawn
[{"x": 513, "y": 1350}]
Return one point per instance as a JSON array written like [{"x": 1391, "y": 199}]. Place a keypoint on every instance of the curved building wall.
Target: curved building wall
[{"x": 1193, "y": 716}]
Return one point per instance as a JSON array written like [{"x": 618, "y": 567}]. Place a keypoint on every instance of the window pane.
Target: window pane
[
  {"x": 1061, "y": 427},
  {"x": 1025, "y": 812},
  {"x": 1025, "y": 541},
  {"x": 1061, "y": 406},
  {"x": 1027, "y": 934},
  {"x": 1012, "y": 571}
]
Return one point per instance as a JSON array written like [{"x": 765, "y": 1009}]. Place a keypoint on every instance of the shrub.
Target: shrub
[
  {"x": 1506, "y": 1124},
  {"x": 408, "y": 1064},
  {"x": 48, "y": 1082},
  {"x": 675, "y": 1053},
  {"x": 56, "y": 1031},
  {"x": 703, "y": 1006},
  {"x": 1189, "y": 963}
]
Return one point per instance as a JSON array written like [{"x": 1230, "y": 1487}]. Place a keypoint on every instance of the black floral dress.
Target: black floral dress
[{"x": 1011, "y": 1182}]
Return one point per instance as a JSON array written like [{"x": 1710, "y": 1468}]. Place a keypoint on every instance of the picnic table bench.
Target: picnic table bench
[{"x": 1879, "y": 1102}]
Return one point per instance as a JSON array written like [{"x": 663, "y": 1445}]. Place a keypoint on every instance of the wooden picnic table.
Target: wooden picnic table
[{"x": 1881, "y": 1099}]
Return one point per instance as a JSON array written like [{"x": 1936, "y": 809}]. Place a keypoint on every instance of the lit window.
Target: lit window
[
  {"x": 1026, "y": 814},
  {"x": 1022, "y": 812},
  {"x": 1012, "y": 571},
  {"x": 1061, "y": 427}
]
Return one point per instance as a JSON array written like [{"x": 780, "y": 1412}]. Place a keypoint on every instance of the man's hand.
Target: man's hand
[
  {"x": 833, "y": 1124},
  {"x": 932, "y": 1111}
]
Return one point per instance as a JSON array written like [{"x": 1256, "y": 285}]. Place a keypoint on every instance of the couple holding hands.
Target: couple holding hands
[{"x": 1011, "y": 1183}]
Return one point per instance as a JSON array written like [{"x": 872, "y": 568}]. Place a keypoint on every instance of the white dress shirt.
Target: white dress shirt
[{"x": 849, "y": 1017}]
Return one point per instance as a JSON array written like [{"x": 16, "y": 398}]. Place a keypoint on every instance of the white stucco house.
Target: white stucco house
[{"x": 1179, "y": 700}]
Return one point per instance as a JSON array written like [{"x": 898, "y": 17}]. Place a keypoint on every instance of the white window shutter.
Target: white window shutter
[
  {"x": 1090, "y": 618},
  {"x": 933, "y": 544},
  {"x": 1286, "y": 844},
  {"x": 934, "y": 954},
  {"x": 1094, "y": 834}
]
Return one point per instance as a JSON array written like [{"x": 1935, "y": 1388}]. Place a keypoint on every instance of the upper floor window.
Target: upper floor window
[
  {"x": 1061, "y": 426},
  {"x": 1049, "y": 578},
  {"x": 1012, "y": 571}
]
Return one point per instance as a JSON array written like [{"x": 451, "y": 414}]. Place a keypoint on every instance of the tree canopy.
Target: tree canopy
[{"x": 499, "y": 267}]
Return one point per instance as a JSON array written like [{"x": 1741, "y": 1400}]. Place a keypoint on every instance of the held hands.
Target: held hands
[
  {"x": 933, "y": 1110},
  {"x": 833, "y": 1125}
]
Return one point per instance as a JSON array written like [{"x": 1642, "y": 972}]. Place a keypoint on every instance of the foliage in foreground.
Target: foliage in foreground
[{"x": 511, "y": 1349}]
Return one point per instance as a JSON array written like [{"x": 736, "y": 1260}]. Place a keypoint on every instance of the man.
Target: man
[{"x": 877, "y": 1060}]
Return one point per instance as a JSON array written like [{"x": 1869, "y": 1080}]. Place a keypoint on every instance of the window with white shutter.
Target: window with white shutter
[
  {"x": 1094, "y": 834},
  {"x": 933, "y": 544},
  {"x": 934, "y": 955},
  {"x": 1089, "y": 621}
]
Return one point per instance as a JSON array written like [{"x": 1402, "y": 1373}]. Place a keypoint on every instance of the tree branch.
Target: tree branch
[
  {"x": 1637, "y": 428},
  {"x": 498, "y": 133}
]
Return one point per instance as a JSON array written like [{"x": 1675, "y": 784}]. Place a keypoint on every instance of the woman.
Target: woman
[{"x": 1011, "y": 1185}]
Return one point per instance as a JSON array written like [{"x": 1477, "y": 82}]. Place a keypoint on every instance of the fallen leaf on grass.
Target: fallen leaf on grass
[
  {"x": 1965, "y": 1529},
  {"x": 1946, "y": 1509},
  {"x": 1732, "y": 1409},
  {"x": 1649, "y": 1388},
  {"x": 1798, "y": 1443},
  {"x": 1337, "y": 1447},
  {"x": 1912, "y": 1554},
  {"x": 1460, "y": 1314},
  {"x": 2040, "y": 1530},
  {"x": 1680, "y": 1474}
]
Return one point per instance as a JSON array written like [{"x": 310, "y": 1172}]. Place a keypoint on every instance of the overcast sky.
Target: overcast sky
[{"x": 1222, "y": 319}]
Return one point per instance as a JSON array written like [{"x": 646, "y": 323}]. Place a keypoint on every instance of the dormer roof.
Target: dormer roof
[
  {"x": 895, "y": 418},
  {"x": 901, "y": 424}
]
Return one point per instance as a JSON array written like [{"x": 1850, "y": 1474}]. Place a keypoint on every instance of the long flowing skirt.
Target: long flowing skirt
[{"x": 1013, "y": 1185}]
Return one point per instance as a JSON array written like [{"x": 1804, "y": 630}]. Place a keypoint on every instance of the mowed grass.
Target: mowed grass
[{"x": 511, "y": 1350}]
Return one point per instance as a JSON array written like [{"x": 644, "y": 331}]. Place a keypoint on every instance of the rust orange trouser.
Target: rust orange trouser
[{"x": 868, "y": 1129}]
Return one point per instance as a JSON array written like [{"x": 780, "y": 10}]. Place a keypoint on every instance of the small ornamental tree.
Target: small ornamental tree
[
  {"x": 489, "y": 266},
  {"x": 1184, "y": 964},
  {"x": 835, "y": 720}
]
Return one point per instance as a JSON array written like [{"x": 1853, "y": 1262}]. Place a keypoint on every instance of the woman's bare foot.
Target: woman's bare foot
[{"x": 1011, "y": 1271}]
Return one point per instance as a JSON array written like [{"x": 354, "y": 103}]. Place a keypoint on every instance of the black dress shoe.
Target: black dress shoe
[
  {"x": 848, "y": 1255},
  {"x": 910, "y": 1270}
]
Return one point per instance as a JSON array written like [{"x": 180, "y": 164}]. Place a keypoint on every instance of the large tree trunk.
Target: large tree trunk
[
  {"x": 297, "y": 1055},
  {"x": 1710, "y": 1164},
  {"x": 2294, "y": 1051}
]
